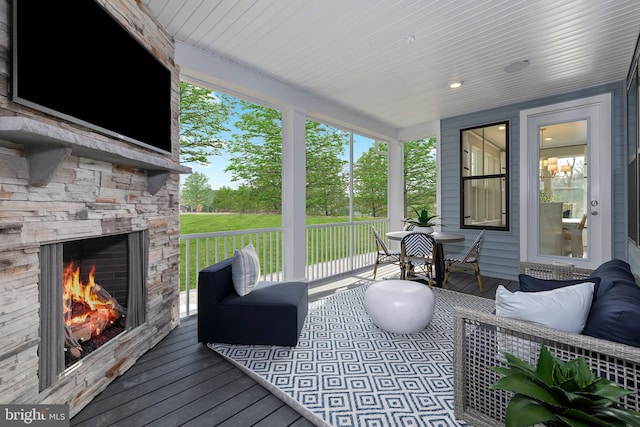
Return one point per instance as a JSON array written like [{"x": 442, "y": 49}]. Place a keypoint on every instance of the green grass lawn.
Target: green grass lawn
[{"x": 209, "y": 223}]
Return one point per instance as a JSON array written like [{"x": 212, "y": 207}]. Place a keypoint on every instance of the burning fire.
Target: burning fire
[{"x": 88, "y": 308}]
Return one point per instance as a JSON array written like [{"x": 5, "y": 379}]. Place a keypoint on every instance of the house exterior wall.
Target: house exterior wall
[
  {"x": 501, "y": 249},
  {"x": 85, "y": 197}
]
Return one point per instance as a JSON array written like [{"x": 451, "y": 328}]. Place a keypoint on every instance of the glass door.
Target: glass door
[{"x": 565, "y": 183}]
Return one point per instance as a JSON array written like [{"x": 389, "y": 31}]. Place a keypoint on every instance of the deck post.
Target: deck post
[
  {"x": 294, "y": 257},
  {"x": 395, "y": 185}
]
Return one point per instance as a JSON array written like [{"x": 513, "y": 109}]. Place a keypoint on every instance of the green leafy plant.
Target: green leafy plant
[
  {"x": 423, "y": 219},
  {"x": 557, "y": 393},
  {"x": 548, "y": 197}
]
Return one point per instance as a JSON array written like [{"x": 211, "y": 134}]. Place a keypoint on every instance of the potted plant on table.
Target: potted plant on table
[
  {"x": 423, "y": 221},
  {"x": 557, "y": 393}
]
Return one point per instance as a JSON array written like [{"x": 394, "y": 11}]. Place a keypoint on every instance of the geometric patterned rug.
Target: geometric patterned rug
[{"x": 347, "y": 372}]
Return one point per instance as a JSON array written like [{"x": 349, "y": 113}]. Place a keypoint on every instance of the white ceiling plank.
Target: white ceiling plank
[{"x": 352, "y": 52}]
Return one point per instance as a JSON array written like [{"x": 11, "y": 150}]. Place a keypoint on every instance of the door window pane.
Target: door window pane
[{"x": 563, "y": 189}]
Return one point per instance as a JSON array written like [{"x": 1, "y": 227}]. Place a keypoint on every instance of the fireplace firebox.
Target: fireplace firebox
[
  {"x": 94, "y": 290},
  {"x": 94, "y": 294}
]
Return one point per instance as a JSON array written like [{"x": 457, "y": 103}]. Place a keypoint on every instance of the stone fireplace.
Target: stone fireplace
[{"x": 64, "y": 192}]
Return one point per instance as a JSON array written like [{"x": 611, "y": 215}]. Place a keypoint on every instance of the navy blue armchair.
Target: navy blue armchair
[{"x": 272, "y": 314}]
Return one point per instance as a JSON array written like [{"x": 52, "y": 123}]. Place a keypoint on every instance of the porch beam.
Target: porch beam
[
  {"x": 294, "y": 194},
  {"x": 205, "y": 69}
]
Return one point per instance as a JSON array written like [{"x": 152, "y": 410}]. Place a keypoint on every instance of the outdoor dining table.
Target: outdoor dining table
[{"x": 441, "y": 237}]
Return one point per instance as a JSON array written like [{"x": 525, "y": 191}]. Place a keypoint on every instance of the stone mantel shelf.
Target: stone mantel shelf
[{"x": 49, "y": 146}]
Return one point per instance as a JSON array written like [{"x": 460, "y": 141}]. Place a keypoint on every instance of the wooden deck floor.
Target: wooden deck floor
[{"x": 181, "y": 382}]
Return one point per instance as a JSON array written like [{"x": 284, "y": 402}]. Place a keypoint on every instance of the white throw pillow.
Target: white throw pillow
[
  {"x": 245, "y": 270},
  {"x": 564, "y": 308}
]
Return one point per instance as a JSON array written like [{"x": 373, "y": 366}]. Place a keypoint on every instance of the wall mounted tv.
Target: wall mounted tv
[{"x": 73, "y": 60}]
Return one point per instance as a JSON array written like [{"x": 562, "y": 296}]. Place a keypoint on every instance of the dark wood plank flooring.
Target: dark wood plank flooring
[{"x": 180, "y": 382}]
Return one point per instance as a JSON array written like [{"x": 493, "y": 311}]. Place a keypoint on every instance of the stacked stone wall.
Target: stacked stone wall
[{"x": 86, "y": 197}]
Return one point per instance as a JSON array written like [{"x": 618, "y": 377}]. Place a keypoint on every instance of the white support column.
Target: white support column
[
  {"x": 294, "y": 194},
  {"x": 436, "y": 129},
  {"x": 395, "y": 185}
]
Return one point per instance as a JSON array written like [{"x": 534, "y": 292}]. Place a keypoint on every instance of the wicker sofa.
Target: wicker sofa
[{"x": 480, "y": 338}]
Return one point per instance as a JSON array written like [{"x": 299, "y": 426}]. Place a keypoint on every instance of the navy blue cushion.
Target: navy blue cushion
[
  {"x": 533, "y": 284},
  {"x": 272, "y": 294},
  {"x": 612, "y": 273},
  {"x": 272, "y": 314},
  {"x": 614, "y": 315}
]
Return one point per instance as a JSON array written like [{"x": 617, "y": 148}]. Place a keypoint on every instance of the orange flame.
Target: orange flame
[{"x": 98, "y": 313}]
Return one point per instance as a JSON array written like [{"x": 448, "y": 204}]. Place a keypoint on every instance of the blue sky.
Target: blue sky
[{"x": 214, "y": 171}]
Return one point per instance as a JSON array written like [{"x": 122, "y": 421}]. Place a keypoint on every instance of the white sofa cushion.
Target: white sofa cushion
[{"x": 564, "y": 308}]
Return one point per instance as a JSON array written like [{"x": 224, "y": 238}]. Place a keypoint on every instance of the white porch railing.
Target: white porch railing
[
  {"x": 332, "y": 249},
  {"x": 337, "y": 248}
]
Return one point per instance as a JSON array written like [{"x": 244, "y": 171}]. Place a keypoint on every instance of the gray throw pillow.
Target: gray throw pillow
[{"x": 245, "y": 270}]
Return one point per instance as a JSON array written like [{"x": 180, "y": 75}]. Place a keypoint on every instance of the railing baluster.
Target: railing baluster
[
  {"x": 187, "y": 259},
  {"x": 331, "y": 249},
  {"x": 207, "y": 246}
]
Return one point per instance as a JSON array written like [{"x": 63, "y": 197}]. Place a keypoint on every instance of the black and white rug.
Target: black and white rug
[{"x": 346, "y": 372}]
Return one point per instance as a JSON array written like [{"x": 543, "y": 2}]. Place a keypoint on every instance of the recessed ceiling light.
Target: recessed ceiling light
[
  {"x": 409, "y": 39},
  {"x": 502, "y": 127},
  {"x": 516, "y": 66},
  {"x": 455, "y": 85}
]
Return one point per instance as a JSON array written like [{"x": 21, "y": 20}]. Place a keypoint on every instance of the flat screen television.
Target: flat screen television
[{"x": 73, "y": 60}]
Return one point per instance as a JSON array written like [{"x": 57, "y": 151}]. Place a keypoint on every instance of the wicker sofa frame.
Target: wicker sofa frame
[{"x": 480, "y": 338}]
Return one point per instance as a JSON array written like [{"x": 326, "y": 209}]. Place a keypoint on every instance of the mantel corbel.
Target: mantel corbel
[
  {"x": 44, "y": 161},
  {"x": 155, "y": 180}
]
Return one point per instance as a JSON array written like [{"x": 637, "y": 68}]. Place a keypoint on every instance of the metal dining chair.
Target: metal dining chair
[
  {"x": 573, "y": 243},
  {"x": 466, "y": 261},
  {"x": 383, "y": 253},
  {"x": 417, "y": 254}
]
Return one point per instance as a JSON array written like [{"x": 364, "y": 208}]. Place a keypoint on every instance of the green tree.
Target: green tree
[
  {"x": 245, "y": 200},
  {"x": 257, "y": 161},
  {"x": 225, "y": 199},
  {"x": 419, "y": 175},
  {"x": 208, "y": 200},
  {"x": 234, "y": 200},
  {"x": 370, "y": 183},
  {"x": 256, "y": 152},
  {"x": 327, "y": 181},
  {"x": 196, "y": 192},
  {"x": 203, "y": 115}
]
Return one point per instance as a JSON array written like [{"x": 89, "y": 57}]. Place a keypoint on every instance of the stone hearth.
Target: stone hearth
[{"x": 61, "y": 182}]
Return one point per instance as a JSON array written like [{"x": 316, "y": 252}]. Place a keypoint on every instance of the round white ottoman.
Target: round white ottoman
[{"x": 399, "y": 306}]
